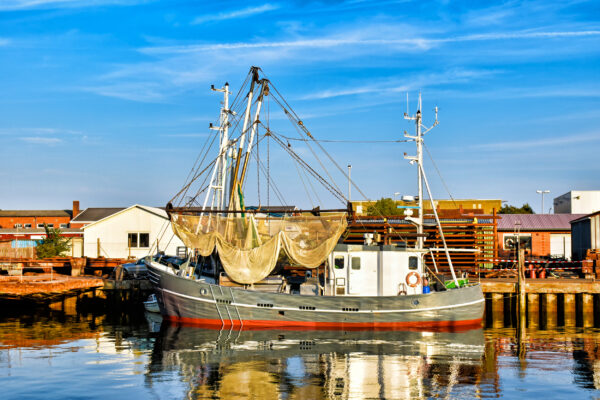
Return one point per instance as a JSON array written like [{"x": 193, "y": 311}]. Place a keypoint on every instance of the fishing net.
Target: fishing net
[{"x": 249, "y": 246}]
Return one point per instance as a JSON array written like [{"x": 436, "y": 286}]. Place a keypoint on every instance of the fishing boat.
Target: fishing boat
[{"x": 283, "y": 267}]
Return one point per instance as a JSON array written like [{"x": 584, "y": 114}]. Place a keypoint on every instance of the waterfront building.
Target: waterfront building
[
  {"x": 35, "y": 219},
  {"x": 131, "y": 232},
  {"x": 93, "y": 214},
  {"x": 21, "y": 229},
  {"x": 577, "y": 202},
  {"x": 541, "y": 235},
  {"x": 586, "y": 235}
]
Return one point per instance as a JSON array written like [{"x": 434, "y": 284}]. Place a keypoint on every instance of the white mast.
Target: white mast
[
  {"x": 242, "y": 139},
  {"x": 418, "y": 159},
  {"x": 217, "y": 180},
  {"x": 253, "y": 128}
]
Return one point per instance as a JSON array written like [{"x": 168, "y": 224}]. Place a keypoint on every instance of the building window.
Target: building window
[
  {"x": 18, "y": 226},
  {"x": 338, "y": 262},
  {"x": 132, "y": 239},
  {"x": 63, "y": 226},
  {"x": 144, "y": 240},
  {"x": 355, "y": 263},
  {"x": 28, "y": 226},
  {"x": 514, "y": 241},
  {"x": 140, "y": 240}
]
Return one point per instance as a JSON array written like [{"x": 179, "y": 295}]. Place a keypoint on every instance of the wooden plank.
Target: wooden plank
[{"x": 542, "y": 286}]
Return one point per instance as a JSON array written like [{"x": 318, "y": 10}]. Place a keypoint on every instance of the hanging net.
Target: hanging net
[{"x": 249, "y": 246}]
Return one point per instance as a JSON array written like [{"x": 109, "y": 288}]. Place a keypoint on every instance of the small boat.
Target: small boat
[
  {"x": 151, "y": 305},
  {"x": 264, "y": 267}
]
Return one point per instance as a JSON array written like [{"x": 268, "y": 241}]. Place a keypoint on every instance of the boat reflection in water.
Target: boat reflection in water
[{"x": 270, "y": 364}]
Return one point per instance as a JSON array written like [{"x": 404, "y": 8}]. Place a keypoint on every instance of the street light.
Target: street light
[
  {"x": 396, "y": 196},
  {"x": 542, "y": 192}
]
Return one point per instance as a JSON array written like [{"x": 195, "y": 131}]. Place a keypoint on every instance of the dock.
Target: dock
[
  {"x": 549, "y": 302},
  {"x": 46, "y": 287}
]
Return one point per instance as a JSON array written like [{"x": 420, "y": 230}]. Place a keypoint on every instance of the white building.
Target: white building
[
  {"x": 131, "y": 232},
  {"x": 577, "y": 202}
]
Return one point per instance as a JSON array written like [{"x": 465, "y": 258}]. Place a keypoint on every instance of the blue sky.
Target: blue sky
[{"x": 108, "y": 101}]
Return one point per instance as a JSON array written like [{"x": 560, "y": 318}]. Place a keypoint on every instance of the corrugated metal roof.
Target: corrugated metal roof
[
  {"x": 537, "y": 222},
  {"x": 586, "y": 216},
  {"x": 96, "y": 214},
  {"x": 35, "y": 213}
]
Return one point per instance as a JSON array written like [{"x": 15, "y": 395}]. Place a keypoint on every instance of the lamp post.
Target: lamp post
[
  {"x": 396, "y": 196},
  {"x": 542, "y": 192}
]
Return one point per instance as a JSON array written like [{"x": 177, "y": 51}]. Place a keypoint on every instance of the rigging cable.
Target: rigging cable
[
  {"x": 323, "y": 181},
  {"x": 307, "y": 132},
  {"x": 439, "y": 174}
]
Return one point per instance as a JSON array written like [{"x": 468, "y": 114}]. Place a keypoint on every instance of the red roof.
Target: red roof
[{"x": 537, "y": 222}]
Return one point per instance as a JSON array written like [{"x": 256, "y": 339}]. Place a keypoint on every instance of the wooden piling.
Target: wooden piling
[
  {"x": 533, "y": 310},
  {"x": 588, "y": 310},
  {"x": 570, "y": 309},
  {"x": 497, "y": 310},
  {"x": 551, "y": 307},
  {"x": 522, "y": 301}
]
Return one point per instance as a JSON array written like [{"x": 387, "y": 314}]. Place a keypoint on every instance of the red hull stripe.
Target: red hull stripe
[{"x": 445, "y": 326}]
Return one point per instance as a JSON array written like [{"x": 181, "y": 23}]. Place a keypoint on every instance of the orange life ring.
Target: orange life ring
[{"x": 411, "y": 282}]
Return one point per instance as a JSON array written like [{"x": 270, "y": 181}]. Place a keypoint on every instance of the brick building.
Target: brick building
[
  {"x": 35, "y": 219},
  {"x": 20, "y": 229},
  {"x": 541, "y": 235}
]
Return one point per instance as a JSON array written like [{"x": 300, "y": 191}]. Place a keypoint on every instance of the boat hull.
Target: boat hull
[{"x": 200, "y": 303}]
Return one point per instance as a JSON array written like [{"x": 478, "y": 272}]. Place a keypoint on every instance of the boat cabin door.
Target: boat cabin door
[
  {"x": 354, "y": 275},
  {"x": 340, "y": 274}
]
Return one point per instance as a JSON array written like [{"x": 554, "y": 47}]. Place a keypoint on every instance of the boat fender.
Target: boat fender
[{"x": 413, "y": 279}]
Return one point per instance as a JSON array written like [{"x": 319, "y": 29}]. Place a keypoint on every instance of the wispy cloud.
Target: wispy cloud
[
  {"x": 185, "y": 135},
  {"x": 39, "y": 131},
  {"x": 146, "y": 92},
  {"x": 41, "y": 140},
  {"x": 243, "y": 13},
  {"x": 542, "y": 142},
  {"x": 13, "y": 5},
  {"x": 329, "y": 42},
  {"x": 409, "y": 83},
  {"x": 4, "y": 42}
]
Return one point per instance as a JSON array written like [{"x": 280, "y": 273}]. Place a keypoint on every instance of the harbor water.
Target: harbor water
[{"x": 69, "y": 353}]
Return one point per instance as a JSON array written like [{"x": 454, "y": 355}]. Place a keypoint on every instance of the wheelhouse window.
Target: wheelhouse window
[
  {"x": 50, "y": 225},
  {"x": 355, "y": 263},
  {"x": 139, "y": 240},
  {"x": 338, "y": 262},
  {"x": 40, "y": 226},
  {"x": 413, "y": 262},
  {"x": 63, "y": 226},
  {"x": 18, "y": 225}
]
